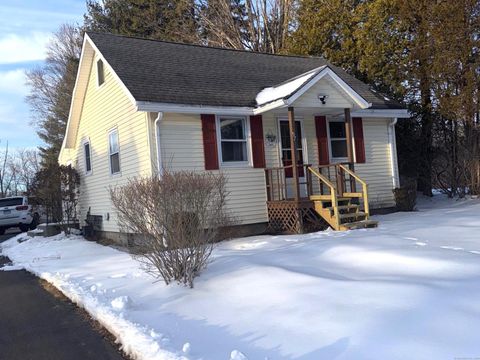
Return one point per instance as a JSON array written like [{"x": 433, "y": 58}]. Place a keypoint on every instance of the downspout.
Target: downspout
[
  {"x": 393, "y": 153},
  {"x": 158, "y": 145}
]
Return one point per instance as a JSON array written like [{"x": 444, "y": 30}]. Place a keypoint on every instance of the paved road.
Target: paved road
[{"x": 36, "y": 325}]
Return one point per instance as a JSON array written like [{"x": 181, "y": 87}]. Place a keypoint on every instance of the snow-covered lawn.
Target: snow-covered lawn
[{"x": 407, "y": 290}]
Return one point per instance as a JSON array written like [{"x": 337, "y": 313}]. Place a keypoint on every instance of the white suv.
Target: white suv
[{"x": 15, "y": 212}]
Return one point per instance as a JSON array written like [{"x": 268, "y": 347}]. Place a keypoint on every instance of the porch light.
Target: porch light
[{"x": 322, "y": 98}]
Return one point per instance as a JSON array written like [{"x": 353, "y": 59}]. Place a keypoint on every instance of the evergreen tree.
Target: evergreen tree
[
  {"x": 51, "y": 87},
  {"x": 172, "y": 20}
]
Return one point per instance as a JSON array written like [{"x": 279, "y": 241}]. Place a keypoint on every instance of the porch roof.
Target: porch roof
[{"x": 172, "y": 73}]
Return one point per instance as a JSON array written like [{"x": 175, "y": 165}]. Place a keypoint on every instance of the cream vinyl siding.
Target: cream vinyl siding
[
  {"x": 182, "y": 149},
  {"x": 107, "y": 107},
  {"x": 337, "y": 98},
  {"x": 377, "y": 170}
]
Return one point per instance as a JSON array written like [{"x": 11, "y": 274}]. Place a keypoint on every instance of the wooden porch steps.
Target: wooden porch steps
[
  {"x": 338, "y": 197},
  {"x": 345, "y": 215}
]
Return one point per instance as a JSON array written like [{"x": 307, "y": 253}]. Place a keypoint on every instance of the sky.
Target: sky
[{"x": 25, "y": 28}]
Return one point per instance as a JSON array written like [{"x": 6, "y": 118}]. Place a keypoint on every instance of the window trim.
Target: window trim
[
  {"x": 98, "y": 73},
  {"x": 336, "y": 160},
  {"x": 85, "y": 142},
  {"x": 248, "y": 141},
  {"x": 119, "y": 173}
]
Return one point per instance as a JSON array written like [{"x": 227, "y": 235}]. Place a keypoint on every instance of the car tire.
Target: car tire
[
  {"x": 2, "y": 230},
  {"x": 23, "y": 228}
]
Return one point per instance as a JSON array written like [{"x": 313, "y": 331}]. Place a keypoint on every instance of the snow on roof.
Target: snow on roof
[{"x": 286, "y": 88}]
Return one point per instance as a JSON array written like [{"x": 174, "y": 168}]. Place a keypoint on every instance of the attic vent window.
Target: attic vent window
[{"x": 100, "y": 73}]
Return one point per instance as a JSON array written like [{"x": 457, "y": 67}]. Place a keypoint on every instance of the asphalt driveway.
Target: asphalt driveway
[{"x": 36, "y": 323}]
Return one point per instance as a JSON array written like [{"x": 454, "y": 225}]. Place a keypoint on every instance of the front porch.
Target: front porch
[{"x": 308, "y": 197}]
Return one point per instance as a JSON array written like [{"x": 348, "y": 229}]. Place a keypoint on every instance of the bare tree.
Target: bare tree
[
  {"x": 51, "y": 87},
  {"x": 176, "y": 219},
  {"x": 5, "y": 173},
  {"x": 22, "y": 166},
  {"x": 258, "y": 25}
]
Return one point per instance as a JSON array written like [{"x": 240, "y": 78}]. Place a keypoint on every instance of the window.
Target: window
[
  {"x": 114, "y": 151},
  {"x": 338, "y": 139},
  {"x": 233, "y": 139},
  {"x": 11, "y": 202},
  {"x": 88, "y": 157},
  {"x": 100, "y": 72}
]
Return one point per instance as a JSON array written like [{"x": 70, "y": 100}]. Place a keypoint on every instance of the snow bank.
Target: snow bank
[{"x": 407, "y": 290}]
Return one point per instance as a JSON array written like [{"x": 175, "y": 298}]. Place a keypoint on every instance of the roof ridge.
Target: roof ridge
[{"x": 207, "y": 46}]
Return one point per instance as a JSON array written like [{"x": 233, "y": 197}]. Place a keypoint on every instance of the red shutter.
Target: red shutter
[
  {"x": 258, "y": 150},
  {"x": 210, "y": 151},
  {"x": 322, "y": 140},
  {"x": 359, "y": 141}
]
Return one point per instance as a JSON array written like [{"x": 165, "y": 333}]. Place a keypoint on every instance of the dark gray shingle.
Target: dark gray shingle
[{"x": 159, "y": 71}]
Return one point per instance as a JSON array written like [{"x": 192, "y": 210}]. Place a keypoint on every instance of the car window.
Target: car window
[{"x": 11, "y": 202}]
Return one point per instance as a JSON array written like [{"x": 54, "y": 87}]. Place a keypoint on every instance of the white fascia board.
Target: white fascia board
[
  {"x": 362, "y": 103},
  {"x": 129, "y": 94},
  {"x": 382, "y": 113},
  {"x": 79, "y": 97},
  {"x": 277, "y": 104},
  {"x": 192, "y": 109},
  {"x": 74, "y": 95}
]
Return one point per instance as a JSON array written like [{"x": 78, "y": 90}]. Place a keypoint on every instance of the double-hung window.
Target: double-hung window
[
  {"x": 233, "y": 139},
  {"x": 338, "y": 140},
  {"x": 87, "y": 153},
  {"x": 114, "y": 152}
]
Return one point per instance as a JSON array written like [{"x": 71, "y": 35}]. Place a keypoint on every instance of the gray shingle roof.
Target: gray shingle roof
[{"x": 166, "y": 72}]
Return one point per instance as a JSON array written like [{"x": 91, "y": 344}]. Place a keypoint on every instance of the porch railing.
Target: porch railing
[
  {"x": 277, "y": 185},
  {"x": 280, "y": 187}
]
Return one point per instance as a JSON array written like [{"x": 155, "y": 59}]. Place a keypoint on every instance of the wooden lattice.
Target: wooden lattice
[{"x": 293, "y": 217}]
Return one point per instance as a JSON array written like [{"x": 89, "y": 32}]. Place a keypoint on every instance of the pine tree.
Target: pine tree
[
  {"x": 51, "y": 87},
  {"x": 172, "y": 20}
]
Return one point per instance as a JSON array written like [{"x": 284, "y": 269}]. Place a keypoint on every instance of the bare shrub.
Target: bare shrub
[
  {"x": 69, "y": 190},
  {"x": 177, "y": 218}
]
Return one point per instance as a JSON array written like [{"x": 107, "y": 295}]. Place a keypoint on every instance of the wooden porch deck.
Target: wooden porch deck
[{"x": 329, "y": 197}]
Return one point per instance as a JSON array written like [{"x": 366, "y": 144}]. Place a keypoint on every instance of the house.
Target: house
[{"x": 142, "y": 105}]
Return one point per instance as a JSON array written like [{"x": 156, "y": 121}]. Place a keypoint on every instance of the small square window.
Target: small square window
[
  {"x": 337, "y": 130},
  {"x": 100, "y": 72},
  {"x": 339, "y": 148}
]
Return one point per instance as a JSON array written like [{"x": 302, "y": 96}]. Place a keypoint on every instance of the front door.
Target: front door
[{"x": 286, "y": 155}]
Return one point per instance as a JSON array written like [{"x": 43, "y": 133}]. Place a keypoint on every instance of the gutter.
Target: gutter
[
  {"x": 158, "y": 145},
  {"x": 393, "y": 152}
]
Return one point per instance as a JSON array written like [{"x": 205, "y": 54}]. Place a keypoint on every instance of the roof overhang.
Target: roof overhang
[
  {"x": 382, "y": 113},
  {"x": 297, "y": 89}
]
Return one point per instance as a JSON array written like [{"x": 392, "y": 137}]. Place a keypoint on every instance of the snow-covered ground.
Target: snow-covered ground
[{"x": 407, "y": 290}]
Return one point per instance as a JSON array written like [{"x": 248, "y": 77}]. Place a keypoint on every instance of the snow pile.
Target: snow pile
[
  {"x": 285, "y": 89},
  {"x": 407, "y": 290}
]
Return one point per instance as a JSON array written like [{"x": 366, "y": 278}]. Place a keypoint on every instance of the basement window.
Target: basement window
[{"x": 100, "y": 73}]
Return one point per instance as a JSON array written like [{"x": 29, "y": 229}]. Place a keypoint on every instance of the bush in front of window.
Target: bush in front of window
[{"x": 177, "y": 218}]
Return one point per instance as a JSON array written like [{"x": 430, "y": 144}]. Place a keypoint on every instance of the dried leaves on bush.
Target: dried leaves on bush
[{"x": 176, "y": 219}]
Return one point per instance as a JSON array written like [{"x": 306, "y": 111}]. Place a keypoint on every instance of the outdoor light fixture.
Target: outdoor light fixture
[{"x": 322, "y": 98}]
